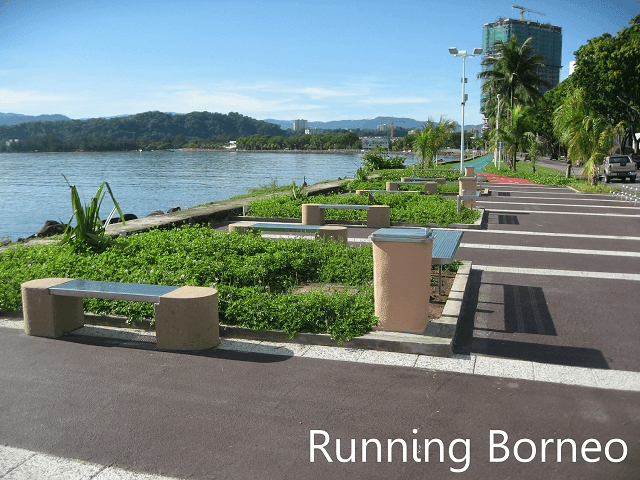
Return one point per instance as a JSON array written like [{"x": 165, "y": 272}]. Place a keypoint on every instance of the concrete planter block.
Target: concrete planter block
[
  {"x": 469, "y": 184},
  {"x": 333, "y": 232},
  {"x": 401, "y": 282},
  {"x": 430, "y": 188},
  {"x": 379, "y": 216},
  {"x": 312, "y": 214},
  {"x": 187, "y": 319},
  {"x": 241, "y": 227},
  {"x": 48, "y": 315}
]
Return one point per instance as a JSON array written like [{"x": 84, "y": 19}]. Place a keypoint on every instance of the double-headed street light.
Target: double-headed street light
[{"x": 464, "y": 55}]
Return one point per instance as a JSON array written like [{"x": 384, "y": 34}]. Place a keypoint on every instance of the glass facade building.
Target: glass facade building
[{"x": 546, "y": 41}]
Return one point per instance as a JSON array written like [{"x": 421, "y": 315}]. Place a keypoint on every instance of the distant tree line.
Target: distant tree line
[{"x": 159, "y": 131}]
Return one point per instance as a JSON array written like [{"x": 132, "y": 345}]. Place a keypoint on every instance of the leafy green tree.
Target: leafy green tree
[{"x": 608, "y": 69}]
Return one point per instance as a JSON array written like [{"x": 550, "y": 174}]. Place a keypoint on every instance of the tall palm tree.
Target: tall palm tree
[
  {"x": 511, "y": 72},
  {"x": 430, "y": 141},
  {"x": 586, "y": 136},
  {"x": 517, "y": 134}
]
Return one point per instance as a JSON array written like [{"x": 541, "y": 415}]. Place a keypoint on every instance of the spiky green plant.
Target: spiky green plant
[{"x": 88, "y": 233}]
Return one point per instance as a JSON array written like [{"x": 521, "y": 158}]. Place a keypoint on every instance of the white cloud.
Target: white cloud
[{"x": 17, "y": 99}]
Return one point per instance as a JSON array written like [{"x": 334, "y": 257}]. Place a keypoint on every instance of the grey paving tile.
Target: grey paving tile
[
  {"x": 504, "y": 367},
  {"x": 48, "y": 467},
  {"x": 281, "y": 348},
  {"x": 617, "y": 380},
  {"x": 562, "y": 374},
  {"x": 388, "y": 358},
  {"x": 11, "y": 457},
  {"x": 238, "y": 345},
  {"x": 457, "y": 363},
  {"x": 334, "y": 353},
  {"x": 112, "y": 473},
  {"x": 112, "y": 332}
]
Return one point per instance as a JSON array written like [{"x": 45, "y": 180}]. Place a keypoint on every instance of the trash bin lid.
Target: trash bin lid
[{"x": 417, "y": 235}]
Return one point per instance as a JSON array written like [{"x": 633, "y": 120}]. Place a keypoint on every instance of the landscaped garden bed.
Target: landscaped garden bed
[{"x": 260, "y": 282}]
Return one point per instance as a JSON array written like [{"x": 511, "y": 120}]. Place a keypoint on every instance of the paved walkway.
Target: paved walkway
[{"x": 547, "y": 349}]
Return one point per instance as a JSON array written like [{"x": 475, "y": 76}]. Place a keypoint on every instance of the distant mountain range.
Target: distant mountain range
[
  {"x": 16, "y": 118},
  {"x": 366, "y": 124}
]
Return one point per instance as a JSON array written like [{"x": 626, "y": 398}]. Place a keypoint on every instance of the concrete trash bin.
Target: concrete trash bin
[{"x": 402, "y": 278}]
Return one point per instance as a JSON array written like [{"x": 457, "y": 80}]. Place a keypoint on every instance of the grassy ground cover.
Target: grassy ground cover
[{"x": 255, "y": 277}]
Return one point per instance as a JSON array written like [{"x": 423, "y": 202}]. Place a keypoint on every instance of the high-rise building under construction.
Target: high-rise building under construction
[{"x": 546, "y": 41}]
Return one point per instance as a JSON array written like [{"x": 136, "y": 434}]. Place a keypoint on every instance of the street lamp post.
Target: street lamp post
[
  {"x": 464, "y": 55},
  {"x": 496, "y": 161}
]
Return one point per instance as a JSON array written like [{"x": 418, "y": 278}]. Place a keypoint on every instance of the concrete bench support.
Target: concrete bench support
[
  {"x": 187, "y": 319},
  {"x": 438, "y": 181},
  {"x": 312, "y": 214},
  {"x": 379, "y": 216},
  {"x": 49, "y": 315},
  {"x": 325, "y": 232},
  {"x": 402, "y": 278},
  {"x": 430, "y": 188},
  {"x": 468, "y": 184}
]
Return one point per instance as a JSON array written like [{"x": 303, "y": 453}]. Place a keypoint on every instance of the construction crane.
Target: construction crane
[
  {"x": 395, "y": 121},
  {"x": 523, "y": 9}
]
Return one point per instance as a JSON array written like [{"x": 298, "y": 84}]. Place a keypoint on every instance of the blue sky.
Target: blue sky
[{"x": 320, "y": 60}]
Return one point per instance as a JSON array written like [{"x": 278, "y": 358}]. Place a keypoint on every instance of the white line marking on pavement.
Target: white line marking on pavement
[
  {"x": 515, "y": 212},
  {"x": 558, "y": 273},
  {"x": 507, "y": 199},
  {"x": 508, "y": 202},
  {"x": 528, "y": 248},
  {"x": 547, "y": 234}
]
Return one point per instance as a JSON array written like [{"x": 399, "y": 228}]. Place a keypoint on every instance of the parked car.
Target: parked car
[{"x": 618, "y": 166}]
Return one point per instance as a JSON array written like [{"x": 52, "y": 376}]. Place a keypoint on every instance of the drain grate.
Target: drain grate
[{"x": 508, "y": 219}]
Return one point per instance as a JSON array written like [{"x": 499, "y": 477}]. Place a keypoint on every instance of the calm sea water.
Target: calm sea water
[{"x": 32, "y": 189}]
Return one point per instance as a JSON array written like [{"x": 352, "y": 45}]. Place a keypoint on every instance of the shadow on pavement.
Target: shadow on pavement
[
  {"x": 525, "y": 311},
  {"x": 143, "y": 342}
]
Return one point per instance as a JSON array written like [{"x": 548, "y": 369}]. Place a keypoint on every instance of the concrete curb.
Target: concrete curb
[{"x": 437, "y": 339}]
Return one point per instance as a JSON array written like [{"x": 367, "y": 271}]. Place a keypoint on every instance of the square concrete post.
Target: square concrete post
[
  {"x": 312, "y": 214},
  {"x": 392, "y": 186},
  {"x": 241, "y": 227},
  {"x": 187, "y": 319},
  {"x": 468, "y": 184},
  {"x": 469, "y": 171},
  {"x": 430, "y": 188},
  {"x": 333, "y": 232},
  {"x": 48, "y": 315},
  {"x": 402, "y": 278},
  {"x": 379, "y": 216}
]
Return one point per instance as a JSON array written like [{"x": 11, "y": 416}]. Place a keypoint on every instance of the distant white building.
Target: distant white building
[
  {"x": 300, "y": 125},
  {"x": 374, "y": 142},
  {"x": 315, "y": 131}
]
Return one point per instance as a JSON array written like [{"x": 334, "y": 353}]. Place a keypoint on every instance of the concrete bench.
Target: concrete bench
[
  {"x": 430, "y": 188},
  {"x": 378, "y": 216},
  {"x": 445, "y": 246},
  {"x": 435, "y": 170},
  {"x": 326, "y": 232},
  {"x": 186, "y": 318},
  {"x": 439, "y": 181}
]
